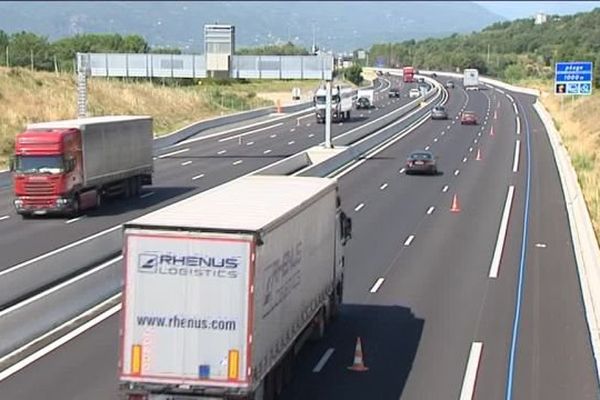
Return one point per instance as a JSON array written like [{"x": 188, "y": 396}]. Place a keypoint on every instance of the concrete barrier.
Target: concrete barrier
[
  {"x": 585, "y": 243},
  {"x": 35, "y": 316},
  {"x": 29, "y": 276},
  {"x": 197, "y": 128}
]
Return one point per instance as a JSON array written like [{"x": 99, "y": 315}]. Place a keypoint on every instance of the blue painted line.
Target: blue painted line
[{"x": 521, "y": 277}]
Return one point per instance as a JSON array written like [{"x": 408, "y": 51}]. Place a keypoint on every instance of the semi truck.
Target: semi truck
[
  {"x": 222, "y": 289},
  {"x": 408, "y": 74},
  {"x": 64, "y": 167},
  {"x": 471, "y": 79},
  {"x": 341, "y": 103}
]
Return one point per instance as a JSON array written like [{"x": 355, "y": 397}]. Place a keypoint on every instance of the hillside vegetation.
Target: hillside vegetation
[
  {"x": 27, "y": 96},
  {"x": 508, "y": 50}
]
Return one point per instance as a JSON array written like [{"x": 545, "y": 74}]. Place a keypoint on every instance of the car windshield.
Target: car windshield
[
  {"x": 39, "y": 164},
  {"x": 439, "y": 108},
  {"x": 468, "y": 114},
  {"x": 421, "y": 156},
  {"x": 323, "y": 99}
]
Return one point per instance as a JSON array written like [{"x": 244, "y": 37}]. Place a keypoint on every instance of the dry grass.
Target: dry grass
[
  {"x": 27, "y": 96},
  {"x": 576, "y": 120}
]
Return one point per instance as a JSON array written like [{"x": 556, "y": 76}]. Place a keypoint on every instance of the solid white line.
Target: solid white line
[
  {"x": 445, "y": 188},
  {"x": 359, "y": 207},
  {"x": 183, "y": 164},
  {"x": 173, "y": 153},
  {"x": 402, "y": 170},
  {"x": 518, "y": 125},
  {"x": 198, "y": 177},
  {"x": 147, "y": 195},
  {"x": 221, "y": 152},
  {"x": 267, "y": 151},
  {"x": 382, "y": 187},
  {"x": 468, "y": 387},
  {"x": 409, "y": 240},
  {"x": 59, "y": 342},
  {"x": 291, "y": 142},
  {"x": 238, "y": 162},
  {"x": 323, "y": 360},
  {"x": 250, "y": 132},
  {"x": 306, "y": 116},
  {"x": 517, "y": 153},
  {"x": 456, "y": 172},
  {"x": 502, "y": 234},
  {"x": 4, "y": 217},
  {"x": 430, "y": 210},
  {"x": 56, "y": 251},
  {"x": 377, "y": 285}
]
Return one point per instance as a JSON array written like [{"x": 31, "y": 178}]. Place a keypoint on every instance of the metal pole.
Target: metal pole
[{"x": 328, "y": 143}]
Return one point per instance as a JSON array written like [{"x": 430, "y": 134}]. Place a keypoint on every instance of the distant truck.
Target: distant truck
[
  {"x": 223, "y": 288},
  {"x": 365, "y": 98},
  {"x": 67, "y": 166},
  {"x": 408, "y": 74},
  {"x": 341, "y": 103},
  {"x": 471, "y": 79}
]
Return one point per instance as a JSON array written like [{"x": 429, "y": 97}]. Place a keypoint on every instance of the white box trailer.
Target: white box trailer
[
  {"x": 471, "y": 79},
  {"x": 221, "y": 288}
]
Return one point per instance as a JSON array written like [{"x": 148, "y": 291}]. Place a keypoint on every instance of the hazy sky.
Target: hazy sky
[{"x": 522, "y": 9}]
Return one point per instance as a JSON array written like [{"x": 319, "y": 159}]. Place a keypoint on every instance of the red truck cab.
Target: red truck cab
[
  {"x": 46, "y": 170},
  {"x": 408, "y": 74}
]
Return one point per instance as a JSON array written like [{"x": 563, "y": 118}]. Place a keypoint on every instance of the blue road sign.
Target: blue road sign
[{"x": 573, "y": 78}]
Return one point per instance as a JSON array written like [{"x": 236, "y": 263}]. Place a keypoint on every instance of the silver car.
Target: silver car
[{"x": 439, "y": 112}]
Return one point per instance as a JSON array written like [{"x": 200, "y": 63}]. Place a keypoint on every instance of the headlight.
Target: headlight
[
  {"x": 61, "y": 202},
  {"x": 18, "y": 203}
]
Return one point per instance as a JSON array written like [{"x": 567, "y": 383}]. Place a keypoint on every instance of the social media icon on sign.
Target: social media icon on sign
[
  {"x": 585, "y": 88},
  {"x": 572, "y": 88}
]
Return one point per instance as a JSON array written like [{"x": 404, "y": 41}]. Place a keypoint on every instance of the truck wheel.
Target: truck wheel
[
  {"x": 348, "y": 115},
  {"x": 98, "y": 198},
  {"x": 76, "y": 207},
  {"x": 26, "y": 215},
  {"x": 318, "y": 327}
]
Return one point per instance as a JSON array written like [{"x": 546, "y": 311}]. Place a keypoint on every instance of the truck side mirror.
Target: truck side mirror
[{"x": 69, "y": 164}]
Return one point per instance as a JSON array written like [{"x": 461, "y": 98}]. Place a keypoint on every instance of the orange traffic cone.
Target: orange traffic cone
[
  {"x": 455, "y": 207},
  {"x": 478, "y": 158},
  {"x": 492, "y": 131},
  {"x": 358, "y": 365}
]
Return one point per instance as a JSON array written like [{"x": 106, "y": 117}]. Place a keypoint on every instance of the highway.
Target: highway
[
  {"x": 438, "y": 318},
  {"x": 180, "y": 171}
]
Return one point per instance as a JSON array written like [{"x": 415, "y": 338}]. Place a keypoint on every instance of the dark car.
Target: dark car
[
  {"x": 421, "y": 162},
  {"x": 450, "y": 84},
  {"x": 394, "y": 92},
  {"x": 439, "y": 112},
  {"x": 378, "y": 73},
  {"x": 434, "y": 75},
  {"x": 363, "y": 102},
  {"x": 468, "y": 118}
]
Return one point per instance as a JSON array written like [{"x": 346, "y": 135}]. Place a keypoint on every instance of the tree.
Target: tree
[
  {"x": 354, "y": 74},
  {"x": 24, "y": 46}
]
